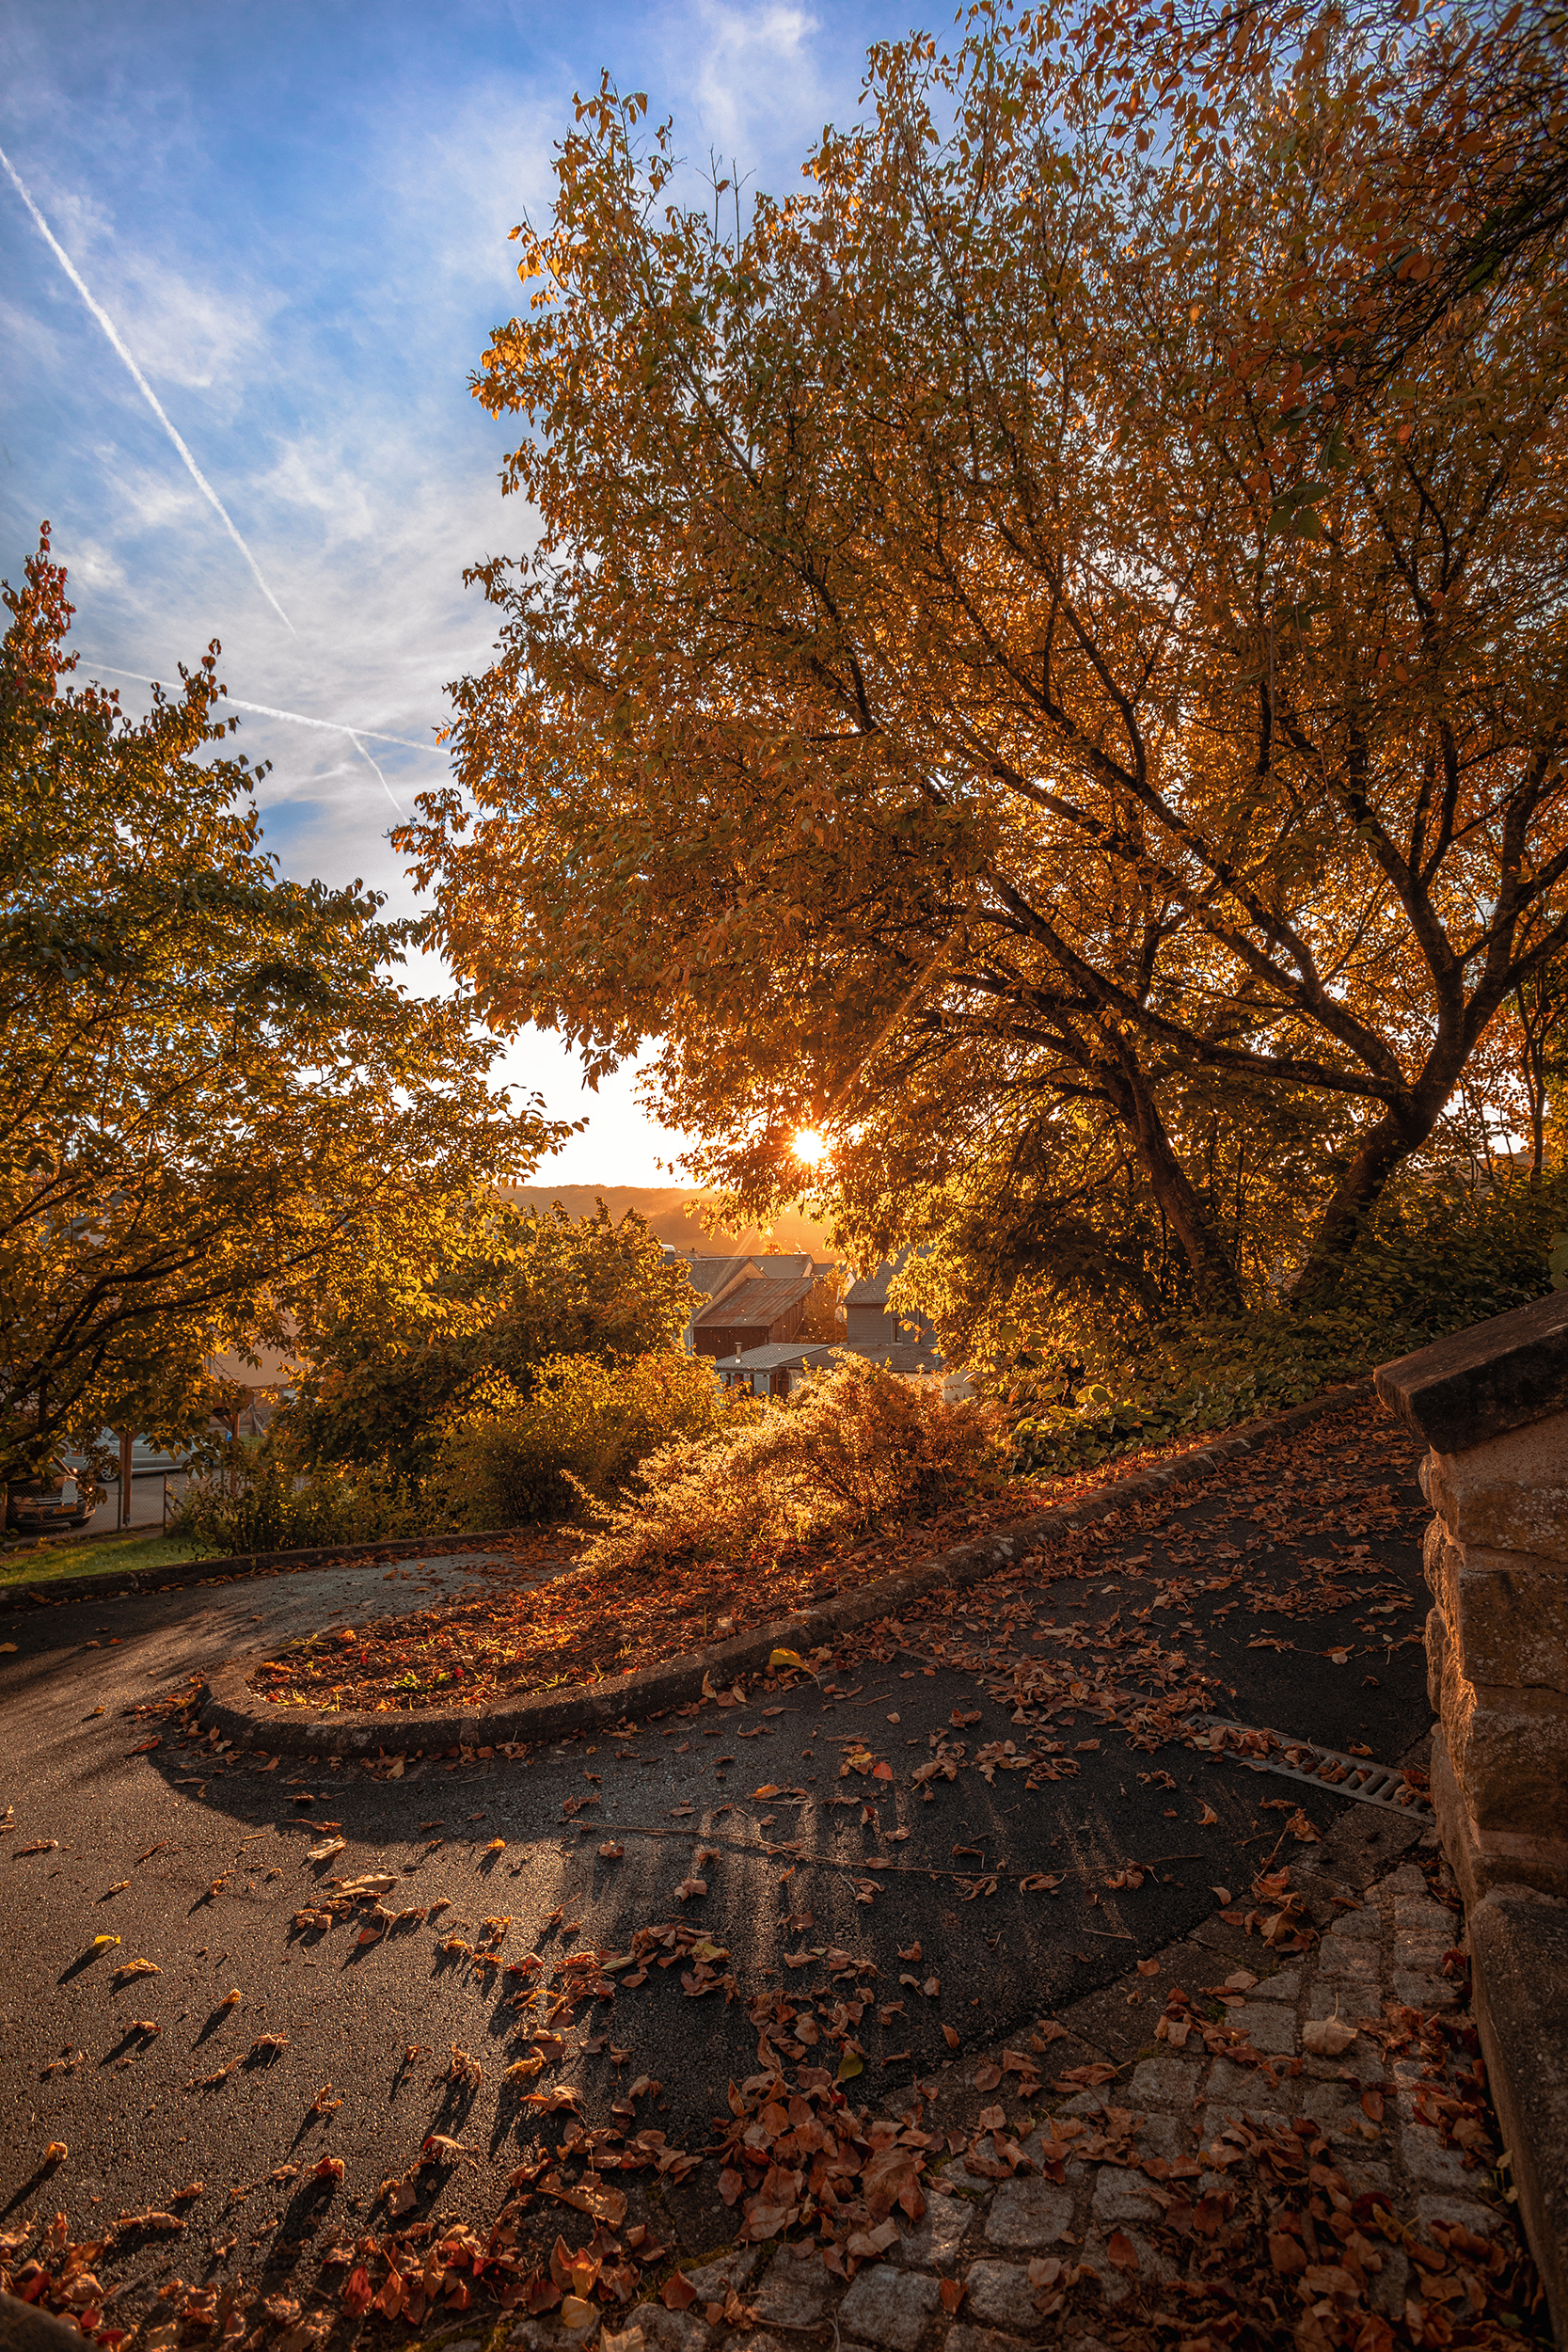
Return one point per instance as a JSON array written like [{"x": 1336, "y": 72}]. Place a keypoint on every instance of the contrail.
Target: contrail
[
  {"x": 266, "y": 710},
  {"x": 107, "y": 323},
  {"x": 365, "y": 755},
  {"x": 298, "y": 719}
]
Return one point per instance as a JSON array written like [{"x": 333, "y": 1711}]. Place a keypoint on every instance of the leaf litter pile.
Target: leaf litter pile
[
  {"x": 581, "y": 1625},
  {"x": 1261, "y": 2234}
]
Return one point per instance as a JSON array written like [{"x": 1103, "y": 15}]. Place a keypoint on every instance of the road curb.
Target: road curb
[
  {"x": 219, "y": 1568},
  {"x": 233, "y": 1711}
]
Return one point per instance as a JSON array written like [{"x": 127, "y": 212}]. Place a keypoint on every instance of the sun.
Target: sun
[{"x": 810, "y": 1147}]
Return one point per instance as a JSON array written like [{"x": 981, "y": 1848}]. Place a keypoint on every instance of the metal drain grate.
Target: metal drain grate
[{"x": 1355, "y": 1776}]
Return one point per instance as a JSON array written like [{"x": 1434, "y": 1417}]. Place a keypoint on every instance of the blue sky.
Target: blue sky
[{"x": 295, "y": 217}]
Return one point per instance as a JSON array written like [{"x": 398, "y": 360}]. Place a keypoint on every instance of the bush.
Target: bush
[
  {"x": 1431, "y": 1260},
  {"x": 584, "y": 1429},
  {"x": 275, "y": 1509},
  {"x": 855, "y": 1448}
]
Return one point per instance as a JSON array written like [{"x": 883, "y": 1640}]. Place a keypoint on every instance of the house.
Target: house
[
  {"x": 777, "y": 1369},
  {"x": 754, "y": 1301},
  {"x": 897, "y": 1340}
]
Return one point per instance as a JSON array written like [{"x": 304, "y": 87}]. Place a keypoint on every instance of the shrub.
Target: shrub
[
  {"x": 276, "y": 1509},
  {"x": 853, "y": 1449},
  {"x": 584, "y": 1429},
  {"x": 1432, "y": 1259}
]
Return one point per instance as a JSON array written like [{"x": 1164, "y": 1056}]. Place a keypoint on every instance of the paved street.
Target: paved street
[{"x": 200, "y": 1866}]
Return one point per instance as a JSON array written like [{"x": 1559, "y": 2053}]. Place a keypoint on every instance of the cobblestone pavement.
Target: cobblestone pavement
[{"x": 1197, "y": 2198}]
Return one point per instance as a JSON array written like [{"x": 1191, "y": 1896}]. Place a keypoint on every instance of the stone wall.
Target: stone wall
[{"x": 1492, "y": 1405}]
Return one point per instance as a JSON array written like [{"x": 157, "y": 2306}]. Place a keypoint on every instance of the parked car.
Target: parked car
[{"x": 57, "y": 1497}]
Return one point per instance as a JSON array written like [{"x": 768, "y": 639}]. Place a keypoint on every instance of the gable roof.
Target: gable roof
[
  {"x": 759, "y": 1300},
  {"x": 872, "y": 1289}
]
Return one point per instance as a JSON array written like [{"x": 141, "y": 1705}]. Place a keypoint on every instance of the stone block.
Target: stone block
[
  {"x": 1163, "y": 2136},
  {"x": 1000, "y": 2296},
  {"x": 796, "y": 2293},
  {"x": 1028, "y": 2213},
  {"x": 966, "y": 2339},
  {"x": 1116, "y": 2285},
  {"x": 1341, "y": 1958},
  {"x": 1519, "y": 1949},
  {"x": 933, "y": 2242},
  {"x": 1476, "y": 1385},
  {"x": 1170, "y": 2080},
  {"x": 1272, "y": 2031},
  {"x": 1355, "y": 1927},
  {"x": 1497, "y": 1857},
  {"x": 1122, "y": 2197},
  {"x": 662, "y": 2331},
  {"x": 1504, "y": 1613},
  {"x": 1285, "y": 1986},
  {"x": 1509, "y": 1493},
  {"x": 1481, "y": 2220},
  {"x": 735, "y": 2270},
  {"x": 888, "y": 2307},
  {"x": 1508, "y": 1750}
]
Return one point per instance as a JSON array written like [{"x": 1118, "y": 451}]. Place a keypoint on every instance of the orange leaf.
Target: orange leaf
[
  {"x": 1122, "y": 2251},
  {"x": 677, "y": 2292},
  {"x": 952, "y": 2292}
]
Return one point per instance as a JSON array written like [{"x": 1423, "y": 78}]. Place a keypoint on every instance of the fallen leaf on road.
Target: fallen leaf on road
[
  {"x": 132, "y": 1968},
  {"x": 56, "y": 2152},
  {"x": 39, "y": 1845},
  {"x": 1208, "y": 1817},
  {"x": 1327, "y": 2036},
  {"x": 951, "y": 2292},
  {"x": 1122, "y": 2251},
  {"x": 610, "y": 1851},
  {"x": 677, "y": 2290},
  {"x": 324, "y": 1852}
]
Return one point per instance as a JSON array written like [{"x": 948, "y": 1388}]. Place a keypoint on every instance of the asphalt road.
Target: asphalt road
[{"x": 200, "y": 1865}]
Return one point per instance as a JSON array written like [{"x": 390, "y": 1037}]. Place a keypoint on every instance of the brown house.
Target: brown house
[{"x": 765, "y": 1305}]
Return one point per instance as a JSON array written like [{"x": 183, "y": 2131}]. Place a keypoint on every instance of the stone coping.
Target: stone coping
[
  {"x": 1479, "y": 1383},
  {"x": 219, "y": 1568},
  {"x": 232, "y": 1709}
]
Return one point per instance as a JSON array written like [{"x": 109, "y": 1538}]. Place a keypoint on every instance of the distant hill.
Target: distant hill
[{"x": 675, "y": 1214}]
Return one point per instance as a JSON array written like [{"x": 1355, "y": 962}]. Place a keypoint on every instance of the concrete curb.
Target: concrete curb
[
  {"x": 218, "y": 1569},
  {"x": 238, "y": 1716}
]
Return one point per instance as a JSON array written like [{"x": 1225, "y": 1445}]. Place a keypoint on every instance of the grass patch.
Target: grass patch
[{"x": 118, "y": 1557}]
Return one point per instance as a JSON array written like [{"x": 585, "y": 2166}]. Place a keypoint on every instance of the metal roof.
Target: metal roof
[{"x": 777, "y": 1354}]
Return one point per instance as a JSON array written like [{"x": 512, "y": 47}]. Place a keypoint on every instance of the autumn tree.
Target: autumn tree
[
  {"x": 1057, "y": 622},
  {"x": 212, "y": 1089},
  {"x": 389, "y": 1368}
]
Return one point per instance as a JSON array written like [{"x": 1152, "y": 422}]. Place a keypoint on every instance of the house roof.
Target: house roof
[
  {"x": 872, "y": 1289},
  {"x": 756, "y": 1301},
  {"x": 777, "y": 1354}
]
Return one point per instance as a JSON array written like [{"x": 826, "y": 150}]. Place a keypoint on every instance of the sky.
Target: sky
[{"x": 237, "y": 380}]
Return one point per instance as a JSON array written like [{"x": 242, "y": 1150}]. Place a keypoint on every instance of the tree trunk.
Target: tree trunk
[
  {"x": 1215, "y": 1275},
  {"x": 1403, "y": 1127}
]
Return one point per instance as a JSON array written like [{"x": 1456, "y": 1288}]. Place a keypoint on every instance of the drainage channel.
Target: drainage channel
[{"x": 1355, "y": 1776}]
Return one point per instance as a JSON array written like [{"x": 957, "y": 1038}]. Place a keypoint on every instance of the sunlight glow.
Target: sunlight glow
[{"x": 809, "y": 1148}]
